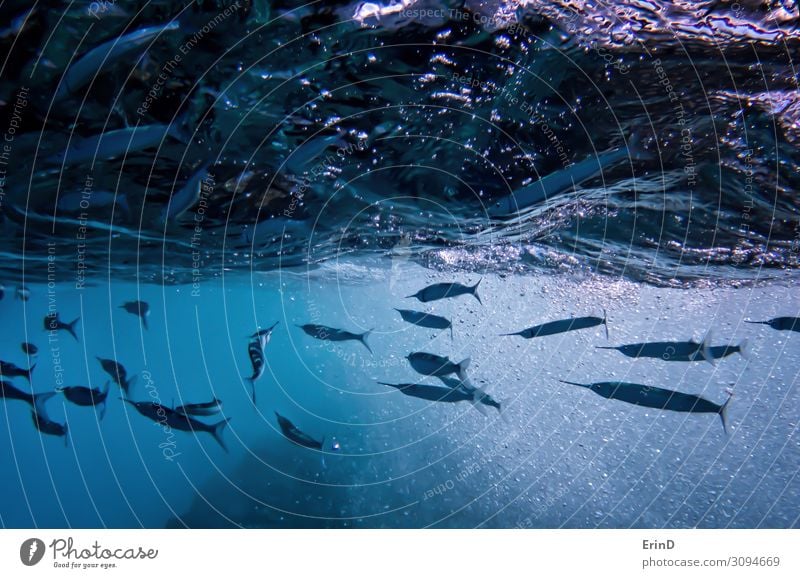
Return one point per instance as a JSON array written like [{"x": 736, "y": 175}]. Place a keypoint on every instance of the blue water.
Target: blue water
[
  {"x": 318, "y": 164},
  {"x": 556, "y": 456}
]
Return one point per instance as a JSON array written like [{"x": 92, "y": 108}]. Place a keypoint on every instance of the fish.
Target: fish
[
  {"x": 29, "y": 348},
  {"x": 10, "y": 370},
  {"x": 117, "y": 373},
  {"x": 681, "y": 350},
  {"x": 35, "y": 400},
  {"x": 187, "y": 197},
  {"x": 256, "y": 353},
  {"x": 781, "y": 323},
  {"x": 166, "y": 416},
  {"x": 139, "y": 308},
  {"x": 47, "y": 426},
  {"x": 438, "y": 366},
  {"x": 201, "y": 409},
  {"x": 563, "y": 180},
  {"x": 446, "y": 290},
  {"x": 108, "y": 54},
  {"x": 52, "y": 322},
  {"x": 657, "y": 398},
  {"x": 442, "y": 394},
  {"x": 301, "y": 157},
  {"x": 116, "y": 143},
  {"x": 428, "y": 320},
  {"x": 22, "y": 293},
  {"x": 86, "y": 396},
  {"x": 255, "y": 350},
  {"x": 562, "y": 326},
  {"x": 291, "y": 432},
  {"x": 325, "y": 333}
]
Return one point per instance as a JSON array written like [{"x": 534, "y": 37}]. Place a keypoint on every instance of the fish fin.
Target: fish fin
[
  {"x": 40, "y": 398},
  {"x": 30, "y": 371},
  {"x": 705, "y": 348},
  {"x": 462, "y": 370},
  {"x": 476, "y": 403},
  {"x": 474, "y": 291},
  {"x": 723, "y": 412},
  {"x": 451, "y": 331},
  {"x": 605, "y": 322},
  {"x": 216, "y": 431},
  {"x": 363, "y": 339},
  {"x": 103, "y": 411},
  {"x": 144, "y": 323},
  {"x": 478, "y": 394},
  {"x": 71, "y": 328},
  {"x": 744, "y": 349}
]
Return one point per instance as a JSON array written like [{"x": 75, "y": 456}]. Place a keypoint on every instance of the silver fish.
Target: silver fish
[
  {"x": 108, "y": 54},
  {"x": 445, "y": 291},
  {"x": 563, "y": 180}
]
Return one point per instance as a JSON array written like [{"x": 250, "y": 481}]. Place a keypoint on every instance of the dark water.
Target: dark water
[{"x": 238, "y": 164}]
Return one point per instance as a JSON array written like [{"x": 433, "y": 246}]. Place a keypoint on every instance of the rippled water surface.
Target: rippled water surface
[{"x": 237, "y": 164}]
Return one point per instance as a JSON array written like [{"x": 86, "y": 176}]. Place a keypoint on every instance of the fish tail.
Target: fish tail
[
  {"x": 252, "y": 388},
  {"x": 744, "y": 349},
  {"x": 216, "y": 431},
  {"x": 71, "y": 328},
  {"x": 128, "y": 384},
  {"x": 605, "y": 322},
  {"x": 723, "y": 412},
  {"x": 474, "y": 290},
  {"x": 363, "y": 339},
  {"x": 451, "y": 331},
  {"x": 462, "y": 370},
  {"x": 477, "y": 404},
  {"x": 29, "y": 372},
  {"x": 705, "y": 348}
]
